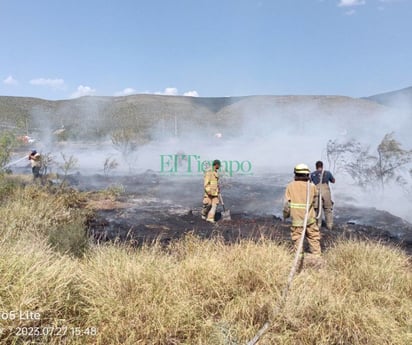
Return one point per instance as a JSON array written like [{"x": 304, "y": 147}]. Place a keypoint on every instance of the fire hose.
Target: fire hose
[
  {"x": 292, "y": 273},
  {"x": 319, "y": 215},
  {"x": 12, "y": 163}
]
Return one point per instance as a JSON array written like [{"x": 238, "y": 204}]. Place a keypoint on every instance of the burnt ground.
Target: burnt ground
[{"x": 162, "y": 209}]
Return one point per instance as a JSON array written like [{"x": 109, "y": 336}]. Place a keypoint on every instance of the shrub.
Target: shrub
[{"x": 70, "y": 238}]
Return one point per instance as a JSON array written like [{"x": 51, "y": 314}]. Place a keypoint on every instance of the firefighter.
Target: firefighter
[
  {"x": 295, "y": 207},
  {"x": 211, "y": 192},
  {"x": 35, "y": 159},
  {"x": 321, "y": 179}
]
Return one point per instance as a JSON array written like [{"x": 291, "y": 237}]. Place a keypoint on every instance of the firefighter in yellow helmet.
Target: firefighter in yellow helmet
[
  {"x": 211, "y": 192},
  {"x": 295, "y": 207}
]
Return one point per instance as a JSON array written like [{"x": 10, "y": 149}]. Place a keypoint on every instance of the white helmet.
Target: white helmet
[{"x": 301, "y": 169}]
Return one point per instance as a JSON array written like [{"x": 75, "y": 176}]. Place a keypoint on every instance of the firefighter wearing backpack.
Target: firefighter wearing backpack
[{"x": 295, "y": 207}]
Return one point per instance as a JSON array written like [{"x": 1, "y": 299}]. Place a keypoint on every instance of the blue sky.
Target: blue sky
[{"x": 64, "y": 49}]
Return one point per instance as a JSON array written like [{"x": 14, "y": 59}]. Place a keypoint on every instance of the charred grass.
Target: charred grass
[{"x": 192, "y": 292}]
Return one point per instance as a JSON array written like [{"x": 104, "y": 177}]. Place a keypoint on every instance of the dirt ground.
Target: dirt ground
[{"x": 158, "y": 208}]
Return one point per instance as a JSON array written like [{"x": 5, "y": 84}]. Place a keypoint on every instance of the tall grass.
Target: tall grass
[
  {"x": 205, "y": 292},
  {"x": 192, "y": 295},
  {"x": 195, "y": 291},
  {"x": 33, "y": 212},
  {"x": 33, "y": 278}
]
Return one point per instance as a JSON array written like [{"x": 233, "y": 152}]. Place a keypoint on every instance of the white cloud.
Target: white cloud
[
  {"x": 192, "y": 93},
  {"x": 349, "y": 3},
  {"x": 83, "y": 91},
  {"x": 172, "y": 91},
  {"x": 53, "y": 83},
  {"x": 125, "y": 92},
  {"x": 10, "y": 81},
  {"x": 169, "y": 91}
]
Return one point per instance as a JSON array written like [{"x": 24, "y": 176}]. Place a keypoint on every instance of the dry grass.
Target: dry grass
[
  {"x": 34, "y": 278},
  {"x": 189, "y": 295},
  {"x": 33, "y": 211},
  {"x": 363, "y": 296},
  {"x": 205, "y": 292},
  {"x": 195, "y": 292}
]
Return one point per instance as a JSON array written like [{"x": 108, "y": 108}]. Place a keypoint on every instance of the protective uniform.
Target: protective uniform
[
  {"x": 211, "y": 194},
  {"x": 321, "y": 179},
  {"x": 295, "y": 207}
]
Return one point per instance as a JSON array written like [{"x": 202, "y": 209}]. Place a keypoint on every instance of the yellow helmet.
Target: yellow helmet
[{"x": 301, "y": 169}]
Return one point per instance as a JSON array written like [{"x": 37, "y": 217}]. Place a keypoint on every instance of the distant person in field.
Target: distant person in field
[
  {"x": 211, "y": 192},
  {"x": 35, "y": 159},
  {"x": 321, "y": 179},
  {"x": 302, "y": 195}
]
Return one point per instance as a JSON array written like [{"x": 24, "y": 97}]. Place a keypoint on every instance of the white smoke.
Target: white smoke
[{"x": 268, "y": 135}]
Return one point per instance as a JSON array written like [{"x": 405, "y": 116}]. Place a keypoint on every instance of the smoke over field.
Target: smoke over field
[{"x": 254, "y": 136}]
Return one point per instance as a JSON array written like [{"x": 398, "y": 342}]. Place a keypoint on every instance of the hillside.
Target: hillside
[
  {"x": 93, "y": 117},
  {"x": 398, "y": 98}
]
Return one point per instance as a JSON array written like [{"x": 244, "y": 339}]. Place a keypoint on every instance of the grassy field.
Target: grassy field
[{"x": 192, "y": 292}]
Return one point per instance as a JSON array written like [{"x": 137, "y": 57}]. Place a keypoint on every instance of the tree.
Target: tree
[
  {"x": 7, "y": 144},
  {"x": 338, "y": 154},
  {"x": 123, "y": 141},
  {"x": 365, "y": 168},
  {"x": 69, "y": 163},
  {"x": 360, "y": 166},
  {"x": 390, "y": 157},
  {"x": 109, "y": 165},
  {"x": 46, "y": 161},
  {"x": 126, "y": 141}
]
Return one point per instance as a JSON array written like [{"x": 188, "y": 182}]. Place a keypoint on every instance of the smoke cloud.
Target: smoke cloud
[{"x": 269, "y": 135}]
